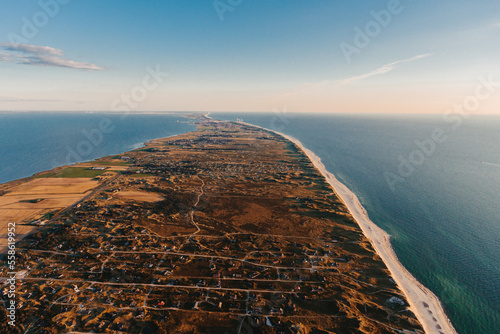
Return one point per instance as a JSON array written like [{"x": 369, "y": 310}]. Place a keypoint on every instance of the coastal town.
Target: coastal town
[{"x": 229, "y": 229}]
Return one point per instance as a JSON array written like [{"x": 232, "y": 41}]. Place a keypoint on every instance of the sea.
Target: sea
[{"x": 431, "y": 182}]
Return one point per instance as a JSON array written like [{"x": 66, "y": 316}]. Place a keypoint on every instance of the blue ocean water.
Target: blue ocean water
[
  {"x": 34, "y": 142},
  {"x": 432, "y": 184}
]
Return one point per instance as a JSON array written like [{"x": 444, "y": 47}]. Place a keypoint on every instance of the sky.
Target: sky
[{"x": 393, "y": 56}]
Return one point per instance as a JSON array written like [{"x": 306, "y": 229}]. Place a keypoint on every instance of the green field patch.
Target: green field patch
[
  {"x": 74, "y": 172},
  {"x": 149, "y": 149},
  {"x": 109, "y": 163},
  {"x": 205, "y": 128},
  {"x": 49, "y": 215}
]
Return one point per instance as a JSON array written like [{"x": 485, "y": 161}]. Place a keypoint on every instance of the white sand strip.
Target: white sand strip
[{"x": 423, "y": 302}]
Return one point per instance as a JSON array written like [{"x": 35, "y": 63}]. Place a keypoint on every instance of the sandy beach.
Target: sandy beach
[{"x": 423, "y": 302}]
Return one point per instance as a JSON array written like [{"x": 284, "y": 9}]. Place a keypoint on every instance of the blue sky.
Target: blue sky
[{"x": 248, "y": 55}]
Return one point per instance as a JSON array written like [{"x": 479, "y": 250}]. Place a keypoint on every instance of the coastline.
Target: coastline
[
  {"x": 337, "y": 298},
  {"x": 423, "y": 302},
  {"x": 425, "y": 305},
  {"x": 125, "y": 134}
]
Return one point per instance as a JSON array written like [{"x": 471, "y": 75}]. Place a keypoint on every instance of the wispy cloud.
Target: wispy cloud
[
  {"x": 34, "y": 49},
  {"x": 46, "y": 60},
  {"x": 6, "y": 57},
  {"x": 381, "y": 70},
  {"x": 41, "y": 55},
  {"x": 326, "y": 87}
]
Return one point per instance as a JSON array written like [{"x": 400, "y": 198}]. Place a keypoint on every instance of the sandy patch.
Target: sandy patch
[
  {"x": 142, "y": 196},
  {"x": 21, "y": 232},
  {"x": 55, "y": 186},
  {"x": 49, "y": 201},
  {"x": 13, "y": 215},
  {"x": 253, "y": 214},
  {"x": 56, "y": 194}
]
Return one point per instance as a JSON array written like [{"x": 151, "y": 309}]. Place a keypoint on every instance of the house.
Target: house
[{"x": 276, "y": 310}]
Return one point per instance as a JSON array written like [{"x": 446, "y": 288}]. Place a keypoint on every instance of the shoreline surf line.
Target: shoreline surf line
[{"x": 423, "y": 303}]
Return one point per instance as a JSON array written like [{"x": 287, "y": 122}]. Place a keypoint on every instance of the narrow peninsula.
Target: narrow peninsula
[{"x": 228, "y": 229}]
